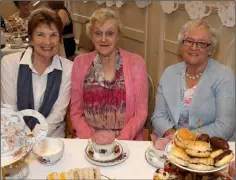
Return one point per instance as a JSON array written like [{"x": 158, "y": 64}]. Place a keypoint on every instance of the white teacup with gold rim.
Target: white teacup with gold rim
[{"x": 103, "y": 142}]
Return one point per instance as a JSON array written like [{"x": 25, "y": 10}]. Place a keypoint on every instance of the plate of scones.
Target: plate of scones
[{"x": 201, "y": 154}]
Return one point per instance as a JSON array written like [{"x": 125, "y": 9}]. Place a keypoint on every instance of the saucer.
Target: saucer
[
  {"x": 123, "y": 156},
  {"x": 155, "y": 157},
  {"x": 98, "y": 157}
]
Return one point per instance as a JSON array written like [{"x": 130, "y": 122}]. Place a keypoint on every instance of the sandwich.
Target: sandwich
[
  {"x": 87, "y": 173},
  {"x": 77, "y": 173},
  {"x": 183, "y": 136},
  {"x": 61, "y": 175},
  {"x": 201, "y": 164},
  {"x": 198, "y": 149},
  {"x": 178, "y": 155}
]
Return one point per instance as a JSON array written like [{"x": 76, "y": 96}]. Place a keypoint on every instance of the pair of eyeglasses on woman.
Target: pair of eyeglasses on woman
[
  {"x": 99, "y": 34},
  {"x": 199, "y": 44}
]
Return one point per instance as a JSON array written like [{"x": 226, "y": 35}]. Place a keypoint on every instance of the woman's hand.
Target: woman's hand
[{"x": 169, "y": 132}]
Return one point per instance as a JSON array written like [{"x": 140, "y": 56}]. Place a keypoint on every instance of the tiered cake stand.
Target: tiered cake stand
[{"x": 14, "y": 160}]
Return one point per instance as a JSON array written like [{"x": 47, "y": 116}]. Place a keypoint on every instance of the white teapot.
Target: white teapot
[{"x": 15, "y": 134}]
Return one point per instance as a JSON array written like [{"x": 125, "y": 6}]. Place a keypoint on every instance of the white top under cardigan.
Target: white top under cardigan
[{"x": 9, "y": 73}]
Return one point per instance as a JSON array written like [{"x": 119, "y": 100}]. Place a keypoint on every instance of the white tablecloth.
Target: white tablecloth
[
  {"x": 135, "y": 167},
  {"x": 6, "y": 50}
]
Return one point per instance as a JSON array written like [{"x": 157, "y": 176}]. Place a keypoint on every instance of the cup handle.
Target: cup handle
[
  {"x": 90, "y": 144},
  {"x": 43, "y": 124},
  {"x": 176, "y": 6},
  {"x": 209, "y": 11}
]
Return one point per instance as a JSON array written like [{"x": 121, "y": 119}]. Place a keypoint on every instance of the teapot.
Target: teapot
[{"x": 15, "y": 134}]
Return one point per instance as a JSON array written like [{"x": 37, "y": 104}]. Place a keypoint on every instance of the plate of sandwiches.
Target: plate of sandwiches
[
  {"x": 90, "y": 173},
  {"x": 200, "y": 154}
]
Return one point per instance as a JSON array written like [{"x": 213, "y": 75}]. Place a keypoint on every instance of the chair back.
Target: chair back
[{"x": 151, "y": 104}]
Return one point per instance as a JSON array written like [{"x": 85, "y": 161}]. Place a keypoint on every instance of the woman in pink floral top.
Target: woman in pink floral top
[{"x": 109, "y": 85}]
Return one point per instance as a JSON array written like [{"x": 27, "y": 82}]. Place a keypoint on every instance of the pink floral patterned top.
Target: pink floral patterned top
[
  {"x": 104, "y": 101},
  {"x": 186, "y": 98}
]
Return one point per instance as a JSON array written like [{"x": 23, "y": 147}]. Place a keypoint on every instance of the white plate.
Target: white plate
[
  {"x": 120, "y": 159},
  {"x": 7, "y": 160},
  {"x": 97, "y": 157},
  {"x": 168, "y": 149},
  {"x": 155, "y": 157}
]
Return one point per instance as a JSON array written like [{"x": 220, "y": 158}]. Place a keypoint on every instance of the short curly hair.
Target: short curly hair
[
  {"x": 44, "y": 16},
  {"x": 101, "y": 16},
  {"x": 197, "y": 23}
]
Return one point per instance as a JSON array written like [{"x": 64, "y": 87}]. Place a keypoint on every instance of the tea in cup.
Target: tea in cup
[{"x": 103, "y": 143}]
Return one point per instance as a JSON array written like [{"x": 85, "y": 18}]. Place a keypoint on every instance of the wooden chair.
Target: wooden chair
[
  {"x": 68, "y": 129},
  {"x": 151, "y": 104}
]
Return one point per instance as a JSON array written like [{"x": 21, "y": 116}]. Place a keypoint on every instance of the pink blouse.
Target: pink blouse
[
  {"x": 104, "y": 101},
  {"x": 136, "y": 94}
]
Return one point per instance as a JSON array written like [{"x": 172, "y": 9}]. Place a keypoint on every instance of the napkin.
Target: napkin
[{"x": 160, "y": 143}]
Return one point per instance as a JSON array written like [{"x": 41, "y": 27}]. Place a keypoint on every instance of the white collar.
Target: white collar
[{"x": 26, "y": 59}]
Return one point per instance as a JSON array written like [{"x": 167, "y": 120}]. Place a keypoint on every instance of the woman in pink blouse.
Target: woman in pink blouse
[{"x": 109, "y": 85}]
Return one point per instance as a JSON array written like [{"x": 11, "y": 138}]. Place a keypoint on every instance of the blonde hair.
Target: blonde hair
[
  {"x": 101, "y": 16},
  {"x": 200, "y": 23}
]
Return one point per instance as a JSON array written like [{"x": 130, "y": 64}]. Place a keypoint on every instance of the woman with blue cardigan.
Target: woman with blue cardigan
[{"x": 199, "y": 88}]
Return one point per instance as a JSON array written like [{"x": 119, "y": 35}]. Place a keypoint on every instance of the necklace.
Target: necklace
[{"x": 193, "y": 76}]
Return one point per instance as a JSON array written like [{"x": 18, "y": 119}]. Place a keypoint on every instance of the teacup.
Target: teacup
[
  {"x": 197, "y": 9},
  {"x": 100, "y": 2},
  {"x": 18, "y": 41},
  {"x": 103, "y": 150},
  {"x": 227, "y": 14},
  {"x": 169, "y": 6},
  {"x": 143, "y": 3},
  {"x": 109, "y": 3},
  {"x": 119, "y": 3}
]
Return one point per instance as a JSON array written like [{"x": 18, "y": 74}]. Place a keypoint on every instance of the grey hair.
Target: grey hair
[
  {"x": 101, "y": 16},
  {"x": 197, "y": 23}
]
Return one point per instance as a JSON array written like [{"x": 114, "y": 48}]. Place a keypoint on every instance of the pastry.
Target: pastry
[
  {"x": 182, "y": 136},
  {"x": 219, "y": 143},
  {"x": 179, "y": 156},
  {"x": 224, "y": 158},
  {"x": 198, "y": 149},
  {"x": 216, "y": 153},
  {"x": 202, "y": 164}
]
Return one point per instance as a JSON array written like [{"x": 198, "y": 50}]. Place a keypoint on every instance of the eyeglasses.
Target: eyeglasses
[
  {"x": 199, "y": 44},
  {"x": 99, "y": 34}
]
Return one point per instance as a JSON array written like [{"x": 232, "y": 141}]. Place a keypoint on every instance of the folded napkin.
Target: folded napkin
[{"x": 160, "y": 143}]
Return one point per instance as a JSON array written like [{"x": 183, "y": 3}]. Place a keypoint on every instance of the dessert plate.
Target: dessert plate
[
  {"x": 155, "y": 157},
  {"x": 98, "y": 157},
  {"x": 168, "y": 149},
  {"x": 121, "y": 158},
  {"x": 7, "y": 160}
]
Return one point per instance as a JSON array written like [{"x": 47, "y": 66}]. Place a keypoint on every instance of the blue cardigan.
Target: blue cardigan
[{"x": 213, "y": 101}]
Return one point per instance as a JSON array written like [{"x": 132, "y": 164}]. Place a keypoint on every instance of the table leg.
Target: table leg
[{"x": 3, "y": 174}]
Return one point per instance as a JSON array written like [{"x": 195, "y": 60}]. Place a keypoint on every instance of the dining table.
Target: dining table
[
  {"x": 8, "y": 50},
  {"x": 134, "y": 167}
]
